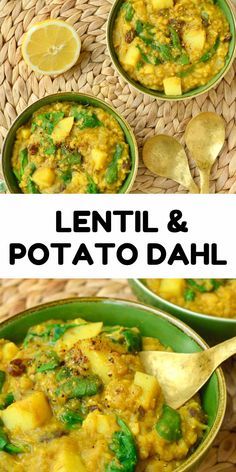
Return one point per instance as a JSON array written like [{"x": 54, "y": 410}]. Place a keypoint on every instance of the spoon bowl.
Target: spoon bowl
[
  {"x": 165, "y": 156},
  {"x": 205, "y": 137},
  {"x": 181, "y": 376}
]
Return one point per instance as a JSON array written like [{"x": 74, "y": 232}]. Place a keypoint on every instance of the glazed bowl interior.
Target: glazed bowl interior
[
  {"x": 227, "y": 8},
  {"x": 80, "y": 98},
  {"x": 212, "y": 328},
  {"x": 151, "y": 322}
]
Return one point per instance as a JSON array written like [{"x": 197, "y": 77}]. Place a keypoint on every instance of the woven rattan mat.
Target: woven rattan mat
[
  {"x": 95, "y": 74},
  {"x": 17, "y": 295}
]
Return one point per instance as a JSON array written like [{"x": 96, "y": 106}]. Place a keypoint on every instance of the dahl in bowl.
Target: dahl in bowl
[
  {"x": 75, "y": 397},
  {"x": 215, "y": 297},
  {"x": 70, "y": 147},
  {"x": 172, "y": 46}
]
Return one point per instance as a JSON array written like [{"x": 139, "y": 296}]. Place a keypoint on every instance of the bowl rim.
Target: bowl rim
[
  {"x": 210, "y": 318},
  {"x": 203, "y": 447},
  {"x": 134, "y": 169},
  {"x": 155, "y": 94}
]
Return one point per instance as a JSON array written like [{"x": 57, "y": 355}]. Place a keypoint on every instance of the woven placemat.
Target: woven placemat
[
  {"x": 17, "y": 295},
  {"x": 94, "y": 74}
]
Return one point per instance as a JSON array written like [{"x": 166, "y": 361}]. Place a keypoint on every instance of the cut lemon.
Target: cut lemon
[{"x": 51, "y": 47}]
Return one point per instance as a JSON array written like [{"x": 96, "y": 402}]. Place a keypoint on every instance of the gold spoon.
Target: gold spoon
[
  {"x": 182, "y": 375},
  {"x": 205, "y": 137},
  {"x": 166, "y": 157}
]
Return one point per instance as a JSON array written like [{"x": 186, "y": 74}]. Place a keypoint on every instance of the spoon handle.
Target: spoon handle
[
  {"x": 205, "y": 180},
  {"x": 223, "y": 351}
]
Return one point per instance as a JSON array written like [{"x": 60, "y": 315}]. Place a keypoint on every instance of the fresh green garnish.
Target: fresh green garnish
[
  {"x": 2, "y": 379},
  {"x": 52, "y": 333},
  {"x": 133, "y": 340},
  {"x": 50, "y": 150},
  {"x": 112, "y": 169},
  {"x": 7, "y": 446},
  {"x": 86, "y": 119},
  {"x": 183, "y": 59},
  {"x": 129, "y": 11},
  {"x": 32, "y": 187},
  {"x": 47, "y": 121},
  {"x": 66, "y": 176},
  {"x": 169, "y": 425},
  {"x": 92, "y": 187},
  {"x": 144, "y": 56},
  {"x": 6, "y": 400},
  {"x": 71, "y": 418},
  {"x": 23, "y": 159},
  {"x": 124, "y": 448},
  {"x": 78, "y": 387},
  {"x": 52, "y": 363},
  {"x": 74, "y": 158},
  {"x": 63, "y": 374},
  {"x": 186, "y": 72},
  {"x": 209, "y": 54},
  {"x": 189, "y": 295},
  {"x": 175, "y": 38}
]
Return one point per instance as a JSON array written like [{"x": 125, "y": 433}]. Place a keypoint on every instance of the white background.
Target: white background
[{"x": 210, "y": 219}]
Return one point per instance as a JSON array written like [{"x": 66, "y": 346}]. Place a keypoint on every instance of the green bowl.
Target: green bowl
[
  {"x": 151, "y": 322},
  {"x": 211, "y": 328},
  {"x": 227, "y": 8},
  {"x": 81, "y": 98}
]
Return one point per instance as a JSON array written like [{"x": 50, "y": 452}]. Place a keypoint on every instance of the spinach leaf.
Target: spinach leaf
[
  {"x": 169, "y": 424},
  {"x": 183, "y": 59},
  {"x": 23, "y": 159},
  {"x": 17, "y": 174},
  {"x": 52, "y": 333},
  {"x": 47, "y": 121},
  {"x": 86, "y": 119},
  {"x": 209, "y": 54},
  {"x": 186, "y": 72},
  {"x": 92, "y": 187},
  {"x": 129, "y": 11},
  {"x": 133, "y": 340},
  {"x": 7, "y": 446},
  {"x": 199, "y": 287},
  {"x": 175, "y": 38},
  {"x": 32, "y": 187},
  {"x": 66, "y": 176},
  {"x": 144, "y": 56},
  {"x": 78, "y": 387},
  {"x": 63, "y": 374},
  {"x": 189, "y": 295},
  {"x": 124, "y": 448},
  {"x": 111, "y": 175},
  {"x": 71, "y": 418},
  {"x": 2, "y": 379},
  {"x": 53, "y": 362},
  {"x": 6, "y": 400}
]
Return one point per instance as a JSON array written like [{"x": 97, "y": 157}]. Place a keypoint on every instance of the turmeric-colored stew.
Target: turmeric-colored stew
[
  {"x": 67, "y": 147},
  {"x": 216, "y": 297},
  {"x": 171, "y": 45},
  {"x": 75, "y": 398}
]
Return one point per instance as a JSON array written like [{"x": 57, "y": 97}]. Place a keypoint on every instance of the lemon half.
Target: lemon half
[{"x": 51, "y": 47}]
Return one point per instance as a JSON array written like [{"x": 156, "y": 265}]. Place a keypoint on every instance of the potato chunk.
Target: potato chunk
[
  {"x": 132, "y": 56},
  {"x": 62, "y": 129},
  {"x": 27, "y": 414},
  {"x": 194, "y": 41},
  {"x": 172, "y": 86},
  {"x": 44, "y": 177},
  {"x": 172, "y": 287},
  {"x": 161, "y": 4},
  {"x": 68, "y": 460},
  {"x": 86, "y": 331},
  {"x": 99, "y": 158},
  {"x": 99, "y": 364},
  {"x": 8, "y": 351},
  {"x": 150, "y": 389},
  {"x": 97, "y": 422}
]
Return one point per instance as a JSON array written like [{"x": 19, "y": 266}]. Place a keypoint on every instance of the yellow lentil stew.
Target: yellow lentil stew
[
  {"x": 216, "y": 297},
  {"x": 75, "y": 398},
  {"x": 68, "y": 147},
  {"x": 171, "y": 45}
]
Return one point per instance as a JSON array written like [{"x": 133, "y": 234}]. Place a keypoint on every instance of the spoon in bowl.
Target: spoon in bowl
[
  {"x": 182, "y": 375},
  {"x": 205, "y": 137},
  {"x": 165, "y": 156}
]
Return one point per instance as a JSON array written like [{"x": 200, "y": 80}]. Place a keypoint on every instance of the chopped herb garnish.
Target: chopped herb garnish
[
  {"x": 86, "y": 119},
  {"x": 189, "y": 295},
  {"x": 129, "y": 11},
  {"x": 53, "y": 362}
]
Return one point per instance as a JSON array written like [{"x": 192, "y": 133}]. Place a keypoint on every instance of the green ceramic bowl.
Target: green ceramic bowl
[
  {"x": 211, "y": 328},
  {"x": 151, "y": 322},
  {"x": 227, "y": 8},
  {"x": 82, "y": 98}
]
